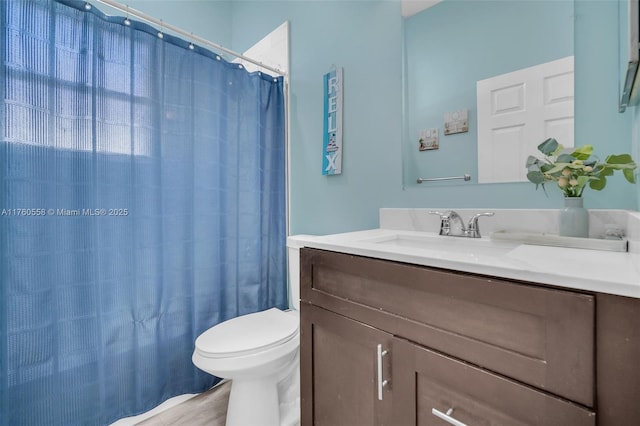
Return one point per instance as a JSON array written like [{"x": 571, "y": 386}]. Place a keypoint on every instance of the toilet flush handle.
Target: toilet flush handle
[{"x": 381, "y": 383}]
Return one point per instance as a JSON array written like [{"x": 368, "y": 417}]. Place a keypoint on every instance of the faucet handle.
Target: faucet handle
[
  {"x": 473, "y": 230},
  {"x": 445, "y": 224}
]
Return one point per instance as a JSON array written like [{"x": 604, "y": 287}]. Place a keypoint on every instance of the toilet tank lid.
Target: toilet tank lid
[{"x": 249, "y": 333}]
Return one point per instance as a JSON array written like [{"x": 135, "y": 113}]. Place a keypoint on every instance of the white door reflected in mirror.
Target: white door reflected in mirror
[{"x": 517, "y": 111}]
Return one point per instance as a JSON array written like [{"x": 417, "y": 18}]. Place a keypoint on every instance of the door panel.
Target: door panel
[
  {"x": 339, "y": 365},
  {"x": 517, "y": 111}
]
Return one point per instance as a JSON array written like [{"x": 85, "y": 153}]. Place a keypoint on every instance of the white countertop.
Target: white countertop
[{"x": 591, "y": 270}]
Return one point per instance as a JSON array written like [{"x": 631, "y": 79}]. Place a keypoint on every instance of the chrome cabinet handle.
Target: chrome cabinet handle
[
  {"x": 447, "y": 417},
  {"x": 381, "y": 383}
]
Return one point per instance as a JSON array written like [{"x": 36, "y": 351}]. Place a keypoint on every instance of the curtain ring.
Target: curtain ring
[
  {"x": 160, "y": 34},
  {"x": 127, "y": 22}
]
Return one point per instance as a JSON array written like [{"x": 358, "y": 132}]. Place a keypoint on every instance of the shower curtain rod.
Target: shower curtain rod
[{"x": 163, "y": 25}]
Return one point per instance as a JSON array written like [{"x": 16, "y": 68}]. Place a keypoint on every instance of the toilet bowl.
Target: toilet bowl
[{"x": 256, "y": 352}]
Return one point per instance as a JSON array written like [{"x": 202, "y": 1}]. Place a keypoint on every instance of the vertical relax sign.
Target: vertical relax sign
[{"x": 332, "y": 127}]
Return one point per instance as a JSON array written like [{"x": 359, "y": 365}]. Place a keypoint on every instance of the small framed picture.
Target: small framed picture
[
  {"x": 456, "y": 122},
  {"x": 428, "y": 139}
]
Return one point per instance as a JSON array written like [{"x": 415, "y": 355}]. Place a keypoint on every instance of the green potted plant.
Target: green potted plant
[{"x": 572, "y": 170}]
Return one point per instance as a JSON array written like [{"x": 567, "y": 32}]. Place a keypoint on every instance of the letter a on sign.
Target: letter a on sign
[{"x": 332, "y": 127}]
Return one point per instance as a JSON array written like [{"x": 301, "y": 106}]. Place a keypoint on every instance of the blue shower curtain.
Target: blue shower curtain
[{"x": 142, "y": 201}]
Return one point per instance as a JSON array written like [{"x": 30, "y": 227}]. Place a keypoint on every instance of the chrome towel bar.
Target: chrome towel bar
[{"x": 465, "y": 177}]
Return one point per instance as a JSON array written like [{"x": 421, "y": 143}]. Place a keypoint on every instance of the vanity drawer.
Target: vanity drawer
[
  {"x": 427, "y": 384},
  {"x": 540, "y": 336}
]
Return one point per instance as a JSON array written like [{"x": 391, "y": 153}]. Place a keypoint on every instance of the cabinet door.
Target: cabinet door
[
  {"x": 339, "y": 365},
  {"x": 428, "y": 384}
]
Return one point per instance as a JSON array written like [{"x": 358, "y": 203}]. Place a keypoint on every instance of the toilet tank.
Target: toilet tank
[{"x": 294, "y": 244}]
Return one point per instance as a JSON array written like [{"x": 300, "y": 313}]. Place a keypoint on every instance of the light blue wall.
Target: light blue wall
[
  {"x": 598, "y": 121},
  {"x": 635, "y": 149},
  {"x": 634, "y": 111},
  {"x": 210, "y": 19},
  {"x": 364, "y": 37},
  {"x": 452, "y": 45}
]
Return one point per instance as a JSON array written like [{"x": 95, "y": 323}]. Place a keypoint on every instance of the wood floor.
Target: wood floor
[{"x": 208, "y": 408}]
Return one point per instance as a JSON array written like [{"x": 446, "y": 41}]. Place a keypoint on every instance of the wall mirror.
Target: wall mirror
[
  {"x": 450, "y": 46},
  {"x": 630, "y": 55}
]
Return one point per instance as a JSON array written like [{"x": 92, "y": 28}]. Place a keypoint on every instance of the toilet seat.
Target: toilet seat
[{"x": 248, "y": 334}]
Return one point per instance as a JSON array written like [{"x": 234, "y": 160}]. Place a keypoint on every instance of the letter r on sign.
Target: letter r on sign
[{"x": 333, "y": 86}]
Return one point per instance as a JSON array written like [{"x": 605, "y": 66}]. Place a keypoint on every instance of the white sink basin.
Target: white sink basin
[{"x": 456, "y": 246}]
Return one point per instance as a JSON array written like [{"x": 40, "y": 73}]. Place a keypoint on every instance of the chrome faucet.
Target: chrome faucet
[{"x": 446, "y": 219}]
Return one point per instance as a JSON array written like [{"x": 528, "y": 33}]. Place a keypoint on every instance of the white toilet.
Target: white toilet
[{"x": 257, "y": 351}]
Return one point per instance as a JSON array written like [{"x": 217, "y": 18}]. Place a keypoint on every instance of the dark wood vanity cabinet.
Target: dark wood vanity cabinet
[{"x": 388, "y": 343}]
